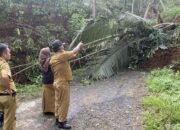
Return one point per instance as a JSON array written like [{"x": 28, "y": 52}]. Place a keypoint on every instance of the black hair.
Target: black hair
[
  {"x": 56, "y": 45},
  {"x": 3, "y": 47}
]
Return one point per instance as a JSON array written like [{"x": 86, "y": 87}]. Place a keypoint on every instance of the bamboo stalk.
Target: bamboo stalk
[
  {"x": 132, "y": 11},
  {"x": 25, "y": 69},
  {"x": 90, "y": 43},
  {"x": 147, "y": 9},
  {"x": 20, "y": 66},
  {"x": 163, "y": 24},
  {"x": 102, "y": 39},
  {"x": 29, "y": 67},
  {"x": 136, "y": 16},
  {"x": 87, "y": 55},
  {"x": 162, "y": 3}
]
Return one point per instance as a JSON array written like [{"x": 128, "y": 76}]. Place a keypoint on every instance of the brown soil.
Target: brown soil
[{"x": 162, "y": 58}]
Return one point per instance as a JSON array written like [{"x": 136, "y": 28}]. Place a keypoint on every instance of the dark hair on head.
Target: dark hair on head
[
  {"x": 56, "y": 45},
  {"x": 3, "y": 47}
]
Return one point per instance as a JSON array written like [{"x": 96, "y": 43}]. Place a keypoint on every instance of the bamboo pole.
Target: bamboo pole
[
  {"x": 136, "y": 16},
  {"x": 148, "y": 8},
  {"x": 29, "y": 67},
  {"x": 87, "y": 55},
  {"x": 102, "y": 39},
  {"x": 162, "y": 4},
  {"x": 26, "y": 69},
  {"x": 20, "y": 66},
  {"x": 90, "y": 43},
  {"x": 132, "y": 10}
]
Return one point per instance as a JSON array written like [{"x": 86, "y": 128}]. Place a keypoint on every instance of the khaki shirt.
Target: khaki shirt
[
  {"x": 61, "y": 67},
  {"x": 5, "y": 69}
]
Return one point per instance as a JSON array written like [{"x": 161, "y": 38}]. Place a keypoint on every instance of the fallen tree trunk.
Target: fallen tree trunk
[{"x": 167, "y": 26}]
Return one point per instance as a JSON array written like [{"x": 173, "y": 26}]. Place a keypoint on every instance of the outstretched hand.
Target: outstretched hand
[{"x": 81, "y": 44}]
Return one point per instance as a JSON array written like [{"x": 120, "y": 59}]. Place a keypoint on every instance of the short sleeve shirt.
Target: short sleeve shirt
[
  {"x": 61, "y": 67},
  {"x": 5, "y": 69}
]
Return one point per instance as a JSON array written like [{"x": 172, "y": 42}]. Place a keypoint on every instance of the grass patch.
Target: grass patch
[
  {"x": 170, "y": 13},
  {"x": 162, "y": 105},
  {"x": 33, "y": 90},
  {"x": 82, "y": 72}
]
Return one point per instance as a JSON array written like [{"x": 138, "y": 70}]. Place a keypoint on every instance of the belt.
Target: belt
[{"x": 7, "y": 94}]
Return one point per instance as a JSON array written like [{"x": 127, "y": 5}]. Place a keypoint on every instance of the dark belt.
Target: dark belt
[{"x": 7, "y": 94}]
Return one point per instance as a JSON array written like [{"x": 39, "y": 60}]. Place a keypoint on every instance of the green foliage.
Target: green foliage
[
  {"x": 5, "y": 6},
  {"x": 33, "y": 24},
  {"x": 30, "y": 25},
  {"x": 162, "y": 80},
  {"x": 27, "y": 89},
  {"x": 151, "y": 122},
  {"x": 135, "y": 41},
  {"x": 76, "y": 23},
  {"x": 163, "y": 107},
  {"x": 34, "y": 74},
  {"x": 170, "y": 13},
  {"x": 80, "y": 72},
  {"x": 172, "y": 10},
  {"x": 17, "y": 45}
]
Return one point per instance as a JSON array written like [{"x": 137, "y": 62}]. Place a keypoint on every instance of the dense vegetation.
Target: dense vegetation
[
  {"x": 120, "y": 43},
  {"x": 28, "y": 25},
  {"x": 162, "y": 105}
]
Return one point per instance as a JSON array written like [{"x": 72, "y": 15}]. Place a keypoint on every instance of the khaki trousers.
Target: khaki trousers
[
  {"x": 62, "y": 98},
  {"x": 48, "y": 100},
  {"x": 8, "y": 106}
]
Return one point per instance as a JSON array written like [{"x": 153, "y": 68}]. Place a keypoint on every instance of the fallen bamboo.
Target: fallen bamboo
[
  {"x": 26, "y": 69},
  {"x": 87, "y": 55},
  {"x": 102, "y": 39},
  {"x": 136, "y": 16},
  {"x": 90, "y": 43},
  {"x": 20, "y": 66},
  {"x": 29, "y": 67},
  {"x": 163, "y": 24}
]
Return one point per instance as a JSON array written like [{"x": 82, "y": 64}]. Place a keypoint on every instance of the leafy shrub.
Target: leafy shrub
[
  {"x": 161, "y": 80},
  {"x": 33, "y": 90},
  {"x": 163, "y": 106},
  {"x": 171, "y": 13}
]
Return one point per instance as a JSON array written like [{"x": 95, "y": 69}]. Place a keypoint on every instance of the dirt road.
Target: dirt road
[{"x": 113, "y": 104}]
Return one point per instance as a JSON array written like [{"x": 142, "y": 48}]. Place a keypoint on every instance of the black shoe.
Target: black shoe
[
  {"x": 1, "y": 119},
  {"x": 48, "y": 113},
  {"x": 64, "y": 125}
]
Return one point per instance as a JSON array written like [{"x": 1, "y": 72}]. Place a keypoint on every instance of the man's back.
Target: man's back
[{"x": 60, "y": 66}]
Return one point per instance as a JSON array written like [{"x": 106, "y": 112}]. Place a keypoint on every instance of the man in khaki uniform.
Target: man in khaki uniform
[
  {"x": 62, "y": 75},
  {"x": 7, "y": 89}
]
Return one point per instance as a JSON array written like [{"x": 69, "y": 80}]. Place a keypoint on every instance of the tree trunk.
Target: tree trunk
[
  {"x": 148, "y": 8},
  {"x": 159, "y": 19},
  {"x": 29, "y": 12},
  {"x": 113, "y": 2},
  {"x": 133, "y": 6},
  {"x": 153, "y": 7},
  {"x": 125, "y": 3},
  {"x": 162, "y": 3},
  {"x": 94, "y": 9}
]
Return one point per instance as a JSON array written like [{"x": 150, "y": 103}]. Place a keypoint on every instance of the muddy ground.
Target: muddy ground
[{"x": 112, "y": 104}]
